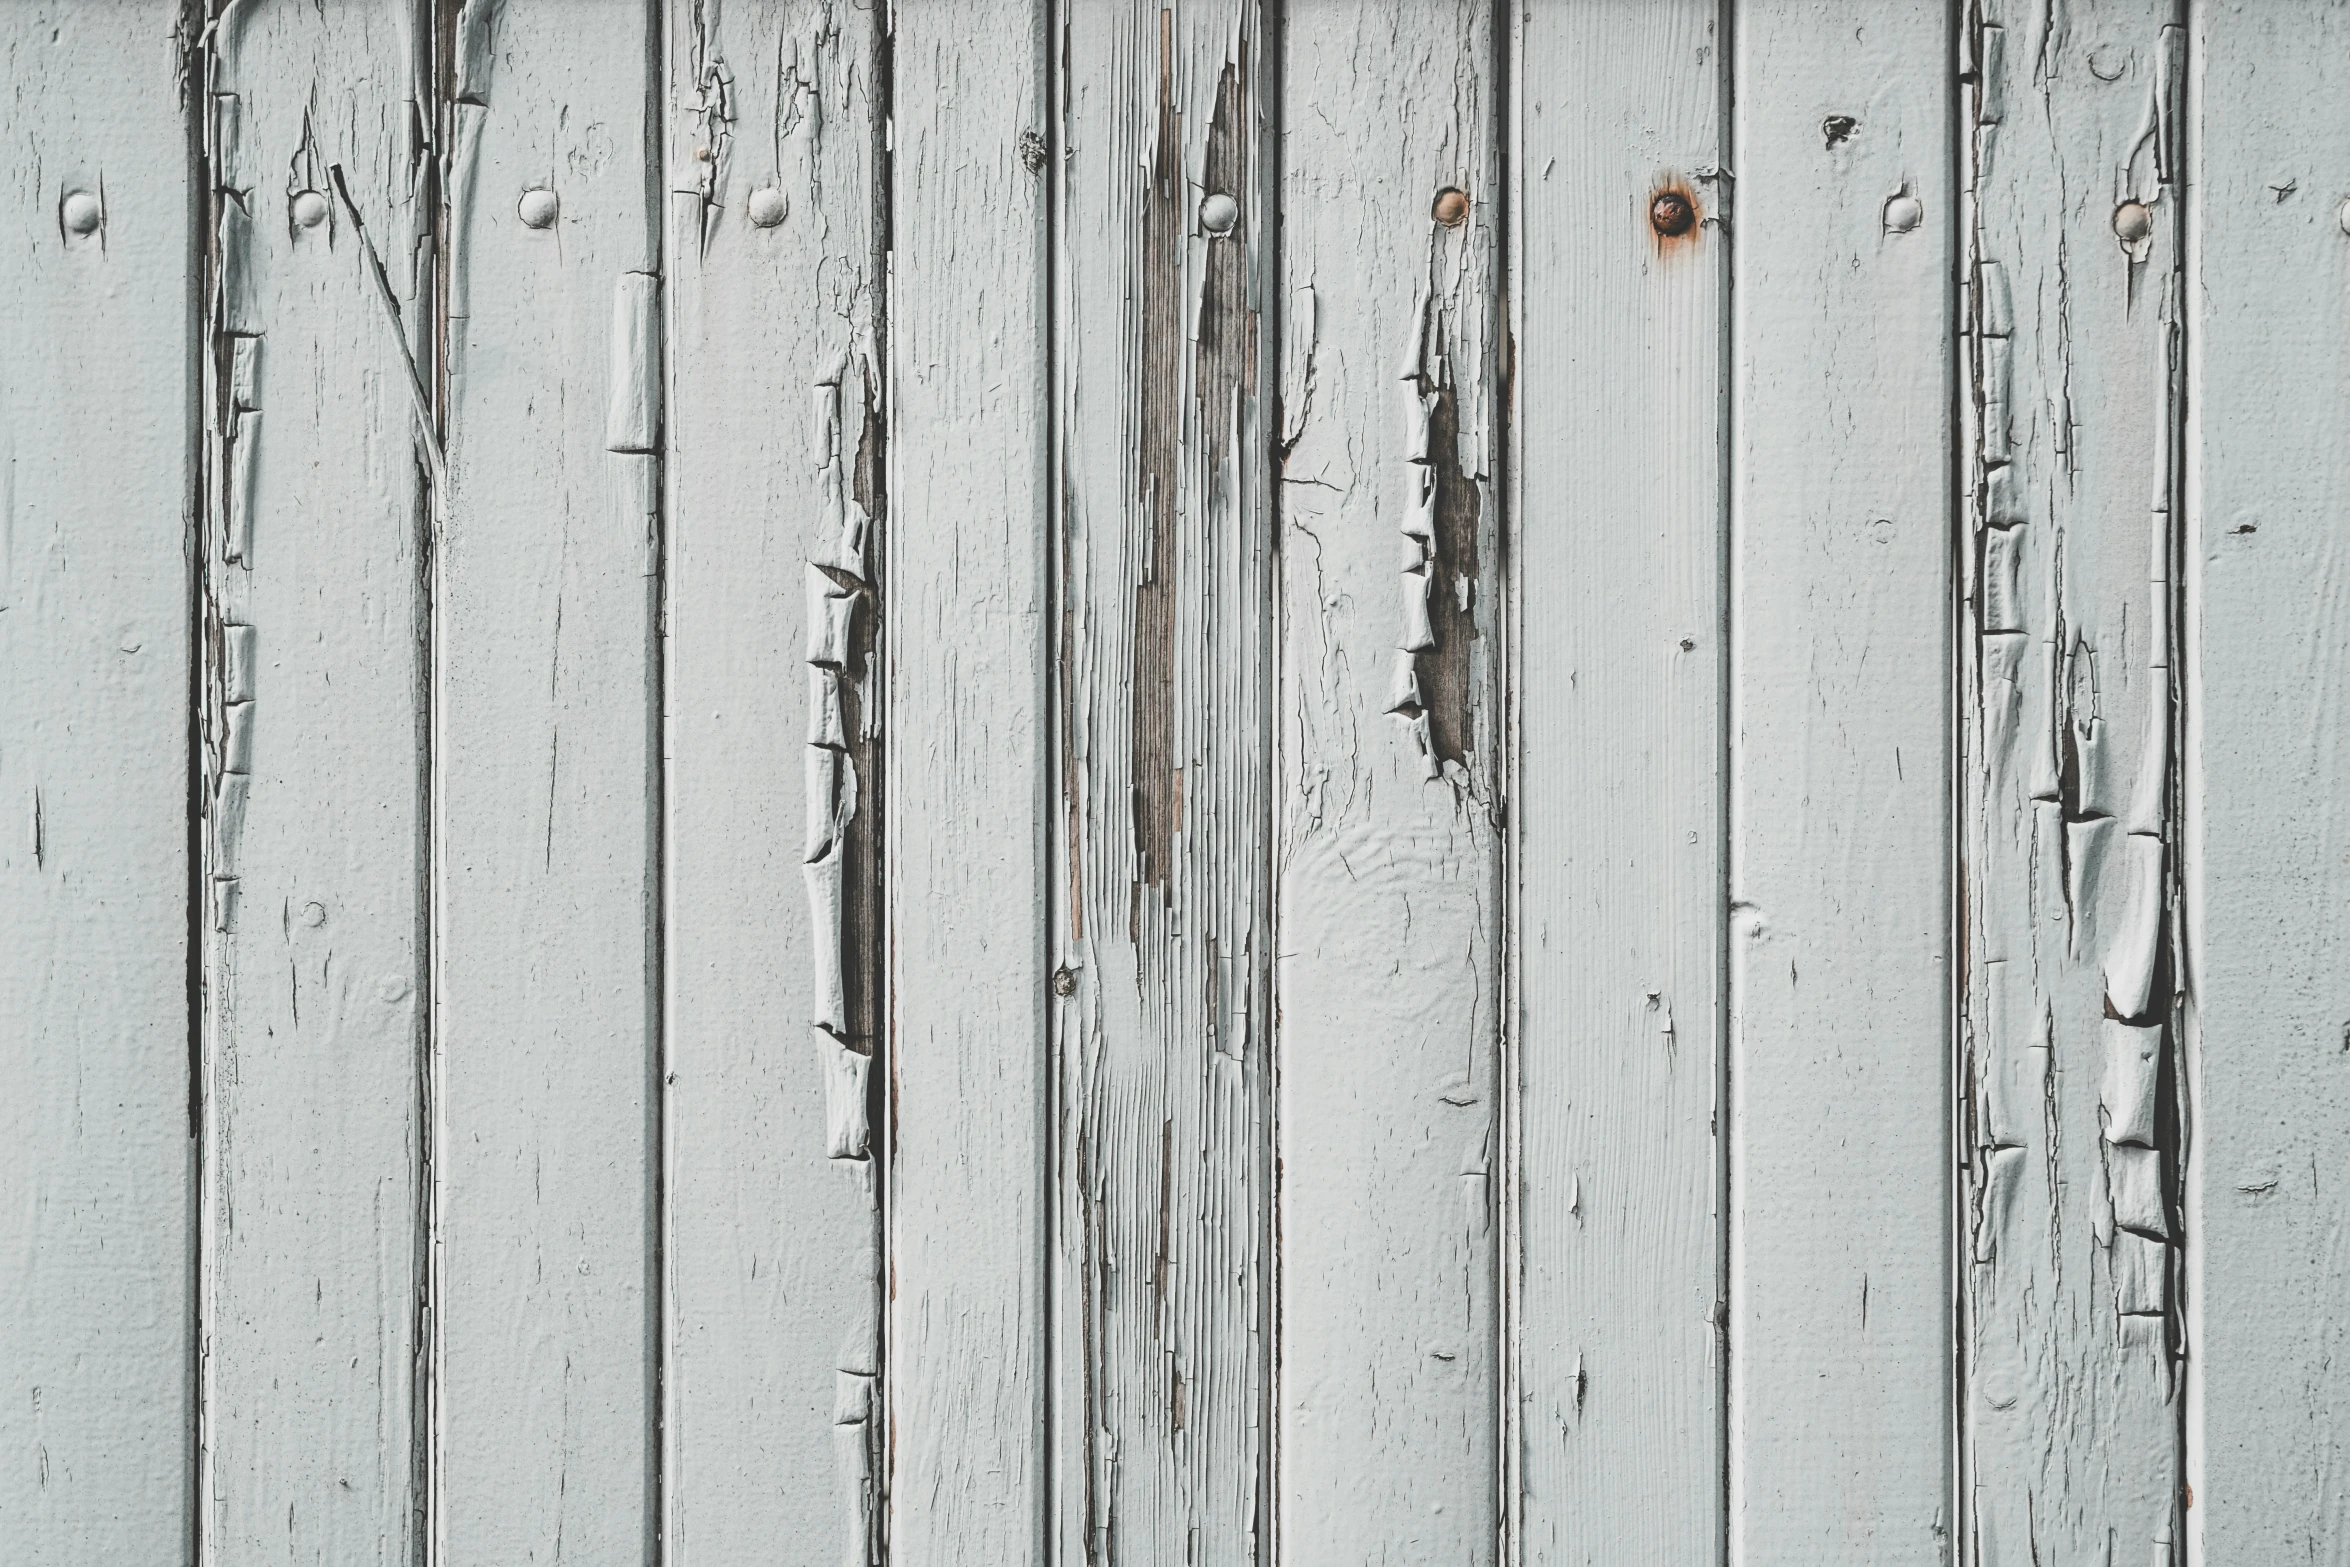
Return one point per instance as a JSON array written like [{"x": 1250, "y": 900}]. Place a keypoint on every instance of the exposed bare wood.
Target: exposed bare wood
[{"x": 1161, "y": 668}]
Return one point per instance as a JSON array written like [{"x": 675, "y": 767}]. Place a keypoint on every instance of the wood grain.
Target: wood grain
[
  {"x": 969, "y": 785},
  {"x": 2265, "y": 783},
  {"x": 771, "y": 1278},
  {"x": 2072, "y": 1120},
  {"x": 1389, "y": 776},
  {"x": 1841, "y": 690},
  {"x": 1616, "y": 1304},
  {"x": 1162, "y": 838},
  {"x": 313, "y": 727},
  {"x": 97, "y": 490},
  {"x": 545, "y": 808}
]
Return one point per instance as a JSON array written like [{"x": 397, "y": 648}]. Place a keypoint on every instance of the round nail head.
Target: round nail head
[
  {"x": 309, "y": 209},
  {"x": 82, "y": 212},
  {"x": 2132, "y": 222},
  {"x": 1452, "y": 207},
  {"x": 1218, "y": 213},
  {"x": 1671, "y": 215},
  {"x": 2345, "y": 217},
  {"x": 1903, "y": 213},
  {"x": 537, "y": 208},
  {"x": 766, "y": 207}
]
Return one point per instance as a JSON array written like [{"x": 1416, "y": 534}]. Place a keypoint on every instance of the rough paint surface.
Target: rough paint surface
[
  {"x": 1164, "y": 562},
  {"x": 1615, "y": 1301},
  {"x": 2072, "y": 1127},
  {"x": 311, "y": 779},
  {"x": 770, "y": 1272},
  {"x": 2266, "y": 782},
  {"x": 1389, "y": 774},
  {"x": 545, "y": 800},
  {"x": 792, "y": 781},
  {"x": 968, "y": 873},
  {"x": 97, "y": 491},
  {"x": 1840, "y": 937}
]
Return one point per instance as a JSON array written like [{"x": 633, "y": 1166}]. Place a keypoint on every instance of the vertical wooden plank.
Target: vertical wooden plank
[
  {"x": 771, "y": 1276},
  {"x": 2071, "y": 1419},
  {"x": 96, "y": 482},
  {"x": 1617, "y": 472},
  {"x": 1840, "y": 1196},
  {"x": 544, "y": 802},
  {"x": 1389, "y": 777},
  {"x": 313, "y": 717},
  {"x": 2266, "y": 780},
  {"x": 968, "y": 785},
  {"x": 1163, "y": 236}
]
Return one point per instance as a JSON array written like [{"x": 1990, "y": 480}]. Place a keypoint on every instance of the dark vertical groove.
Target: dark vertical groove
[
  {"x": 2174, "y": 1112},
  {"x": 2187, "y": 155},
  {"x": 1050, "y": 902},
  {"x": 1501, "y": 691},
  {"x": 437, "y": 24},
  {"x": 1067, "y": 820},
  {"x": 1265, "y": 374},
  {"x": 1958, "y": 1139},
  {"x": 196, "y": 103},
  {"x": 1725, "y": 205},
  {"x": 866, "y": 916},
  {"x": 656, "y": 164}
]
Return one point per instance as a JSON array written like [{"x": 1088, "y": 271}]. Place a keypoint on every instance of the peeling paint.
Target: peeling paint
[
  {"x": 2072, "y": 1174},
  {"x": 842, "y": 871}
]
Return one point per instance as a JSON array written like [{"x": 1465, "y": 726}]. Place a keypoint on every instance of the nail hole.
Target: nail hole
[{"x": 1838, "y": 129}]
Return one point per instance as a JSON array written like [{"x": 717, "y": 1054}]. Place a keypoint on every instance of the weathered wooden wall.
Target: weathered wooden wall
[{"x": 1261, "y": 780}]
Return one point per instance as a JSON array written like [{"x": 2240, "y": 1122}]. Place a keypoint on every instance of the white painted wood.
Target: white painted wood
[
  {"x": 1389, "y": 777},
  {"x": 771, "y": 1279},
  {"x": 969, "y": 781},
  {"x": 2070, "y": 1421},
  {"x": 1616, "y": 1306},
  {"x": 97, "y": 486},
  {"x": 1161, "y": 1119},
  {"x": 1840, "y": 939},
  {"x": 2266, "y": 779},
  {"x": 544, "y": 806},
  {"x": 311, "y": 701}
]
